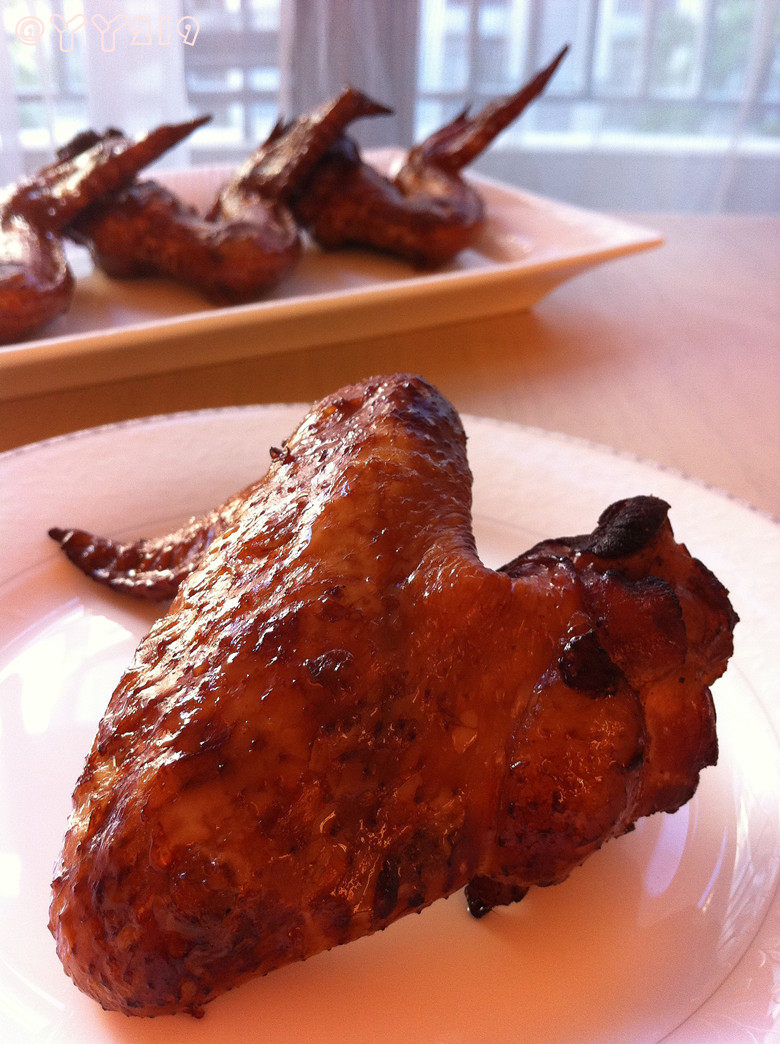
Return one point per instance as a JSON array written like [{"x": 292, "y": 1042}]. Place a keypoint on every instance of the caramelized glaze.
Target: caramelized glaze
[{"x": 345, "y": 716}]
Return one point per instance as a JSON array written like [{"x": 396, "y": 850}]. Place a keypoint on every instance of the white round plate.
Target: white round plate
[{"x": 672, "y": 930}]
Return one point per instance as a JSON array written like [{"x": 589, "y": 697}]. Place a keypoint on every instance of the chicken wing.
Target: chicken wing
[
  {"x": 151, "y": 569},
  {"x": 427, "y": 212},
  {"x": 247, "y": 242},
  {"x": 344, "y": 715},
  {"x": 36, "y": 284}
]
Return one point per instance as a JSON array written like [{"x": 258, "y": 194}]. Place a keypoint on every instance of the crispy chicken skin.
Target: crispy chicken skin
[
  {"x": 149, "y": 569},
  {"x": 345, "y": 716}
]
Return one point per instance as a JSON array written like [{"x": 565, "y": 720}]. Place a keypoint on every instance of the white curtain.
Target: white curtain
[
  {"x": 131, "y": 58},
  {"x": 321, "y": 51},
  {"x": 762, "y": 47},
  {"x": 134, "y": 86},
  {"x": 10, "y": 150}
]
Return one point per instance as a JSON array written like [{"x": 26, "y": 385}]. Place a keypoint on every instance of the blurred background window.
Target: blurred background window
[{"x": 661, "y": 104}]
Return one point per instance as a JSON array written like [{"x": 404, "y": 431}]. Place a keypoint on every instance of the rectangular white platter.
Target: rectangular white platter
[{"x": 118, "y": 329}]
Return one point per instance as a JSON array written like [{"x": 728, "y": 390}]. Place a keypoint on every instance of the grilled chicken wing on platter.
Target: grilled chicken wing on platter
[
  {"x": 247, "y": 241},
  {"x": 36, "y": 283},
  {"x": 345, "y": 716},
  {"x": 427, "y": 212}
]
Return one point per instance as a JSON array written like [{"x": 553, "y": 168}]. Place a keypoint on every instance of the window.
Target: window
[
  {"x": 693, "y": 84},
  {"x": 233, "y": 71},
  {"x": 670, "y": 68},
  {"x": 48, "y": 81}
]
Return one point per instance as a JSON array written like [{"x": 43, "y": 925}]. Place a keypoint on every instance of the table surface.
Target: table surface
[{"x": 671, "y": 355}]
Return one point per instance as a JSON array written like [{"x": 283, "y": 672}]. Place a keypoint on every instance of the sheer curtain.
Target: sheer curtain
[
  {"x": 98, "y": 63},
  {"x": 10, "y": 146},
  {"x": 661, "y": 104},
  {"x": 136, "y": 85},
  {"x": 321, "y": 50}
]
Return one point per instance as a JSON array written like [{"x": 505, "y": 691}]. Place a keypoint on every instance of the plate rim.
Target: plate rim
[{"x": 466, "y": 416}]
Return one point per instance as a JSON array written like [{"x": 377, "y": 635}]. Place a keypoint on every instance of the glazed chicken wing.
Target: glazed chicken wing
[
  {"x": 345, "y": 716},
  {"x": 427, "y": 212},
  {"x": 36, "y": 283},
  {"x": 248, "y": 240}
]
